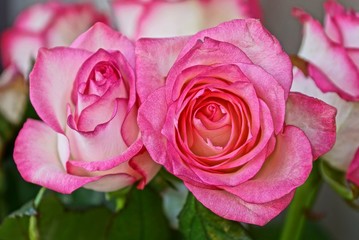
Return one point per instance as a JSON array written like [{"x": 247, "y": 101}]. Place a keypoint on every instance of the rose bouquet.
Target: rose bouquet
[{"x": 164, "y": 127}]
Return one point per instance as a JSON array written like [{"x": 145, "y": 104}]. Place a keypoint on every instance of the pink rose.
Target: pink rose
[
  {"x": 45, "y": 25},
  {"x": 217, "y": 113},
  {"x": 167, "y": 18},
  {"x": 333, "y": 68},
  {"x": 86, "y": 96}
]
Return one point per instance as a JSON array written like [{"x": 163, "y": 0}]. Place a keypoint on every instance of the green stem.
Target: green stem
[
  {"x": 33, "y": 229},
  {"x": 302, "y": 203}
]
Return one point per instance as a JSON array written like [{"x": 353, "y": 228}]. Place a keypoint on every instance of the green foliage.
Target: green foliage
[
  {"x": 141, "y": 218},
  {"x": 199, "y": 223},
  {"x": 336, "y": 179}
]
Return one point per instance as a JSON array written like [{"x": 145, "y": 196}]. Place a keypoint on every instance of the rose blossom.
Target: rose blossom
[
  {"x": 217, "y": 113},
  {"x": 45, "y": 25},
  {"x": 86, "y": 97},
  {"x": 167, "y": 18},
  {"x": 333, "y": 68}
]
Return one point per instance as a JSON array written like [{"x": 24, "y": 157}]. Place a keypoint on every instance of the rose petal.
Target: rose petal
[
  {"x": 102, "y": 36},
  {"x": 106, "y": 136},
  {"x": 37, "y": 159},
  {"x": 315, "y": 118},
  {"x": 110, "y": 183},
  {"x": 151, "y": 67},
  {"x": 237, "y": 209},
  {"x": 145, "y": 166},
  {"x": 269, "y": 91},
  {"x": 286, "y": 169},
  {"x": 353, "y": 170},
  {"x": 208, "y": 52},
  {"x": 329, "y": 57},
  {"x": 347, "y": 24},
  {"x": 51, "y": 82},
  {"x": 347, "y": 141},
  {"x": 347, "y": 129},
  {"x": 108, "y": 164},
  {"x": 151, "y": 117},
  {"x": 256, "y": 42}
]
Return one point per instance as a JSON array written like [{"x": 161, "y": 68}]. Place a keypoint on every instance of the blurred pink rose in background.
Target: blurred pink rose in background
[
  {"x": 217, "y": 112},
  {"x": 41, "y": 25},
  {"x": 167, "y": 18},
  {"x": 332, "y": 52},
  {"x": 45, "y": 25},
  {"x": 86, "y": 96}
]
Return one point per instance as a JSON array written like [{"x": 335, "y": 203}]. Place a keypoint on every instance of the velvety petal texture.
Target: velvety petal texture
[
  {"x": 219, "y": 115},
  {"x": 331, "y": 52},
  {"x": 45, "y": 25},
  {"x": 167, "y": 18},
  {"x": 87, "y": 98}
]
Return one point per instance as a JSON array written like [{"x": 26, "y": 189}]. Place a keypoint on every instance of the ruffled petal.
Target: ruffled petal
[
  {"x": 151, "y": 67},
  {"x": 36, "y": 155},
  {"x": 261, "y": 47},
  {"x": 102, "y": 36},
  {"x": 229, "y": 206},
  {"x": 315, "y": 118},
  {"x": 51, "y": 82},
  {"x": 285, "y": 169},
  {"x": 331, "y": 58}
]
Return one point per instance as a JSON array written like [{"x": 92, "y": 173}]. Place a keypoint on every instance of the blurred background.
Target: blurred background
[{"x": 338, "y": 219}]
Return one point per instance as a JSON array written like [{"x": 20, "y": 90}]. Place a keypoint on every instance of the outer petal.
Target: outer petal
[
  {"x": 151, "y": 65},
  {"x": 347, "y": 138},
  {"x": 51, "y": 82},
  {"x": 151, "y": 118},
  {"x": 286, "y": 169},
  {"x": 37, "y": 158},
  {"x": 307, "y": 86},
  {"x": 102, "y": 36},
  {"x": 331, "y": 58},
  {"x": 353, "y": 171},
  {"x": 346, "y": 22},
  {"x": 234, "y": 208},
  {"x": 347, "y": 141},
  {"x": 315, "y": 118},
  {"x": 256, "y": 42}
]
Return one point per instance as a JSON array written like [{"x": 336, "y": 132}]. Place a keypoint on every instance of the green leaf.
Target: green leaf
[
  {"x": 15, "y": 228},
  {"x": 53, "y": 221},
  {"x": 336, "y": 179},
  {"x": 197, "y": 222},
  {"x": 142, "y": 218}
]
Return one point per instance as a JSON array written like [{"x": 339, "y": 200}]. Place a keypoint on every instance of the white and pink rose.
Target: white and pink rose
[
  {"x": 332, "y": 53},
  {"x": 86, "y": 96}
]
